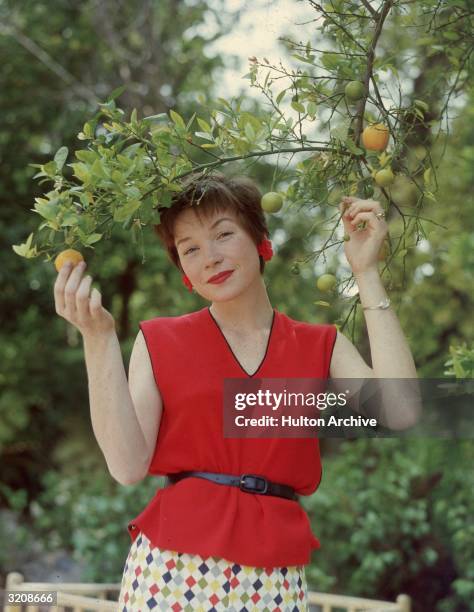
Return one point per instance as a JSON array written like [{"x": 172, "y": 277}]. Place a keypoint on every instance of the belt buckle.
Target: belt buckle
[{"x": 249, "y": 489}]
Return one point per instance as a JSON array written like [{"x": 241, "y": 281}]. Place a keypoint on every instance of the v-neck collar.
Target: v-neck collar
[{"x": 270, "y": 335}]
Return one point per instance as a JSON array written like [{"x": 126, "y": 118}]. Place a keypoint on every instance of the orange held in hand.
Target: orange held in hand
[
  {"x": 375, "y": 137},
  {"x": 68, "y": 255}
]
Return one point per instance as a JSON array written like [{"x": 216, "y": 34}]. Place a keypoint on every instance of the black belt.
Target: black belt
[{"x": 248, "y": 483}]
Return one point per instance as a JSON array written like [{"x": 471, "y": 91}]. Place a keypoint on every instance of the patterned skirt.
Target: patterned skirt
[{"x": 156, "y": 579}]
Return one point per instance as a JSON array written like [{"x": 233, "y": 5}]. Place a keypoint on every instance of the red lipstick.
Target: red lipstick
[{"x": 220, "y": 278}]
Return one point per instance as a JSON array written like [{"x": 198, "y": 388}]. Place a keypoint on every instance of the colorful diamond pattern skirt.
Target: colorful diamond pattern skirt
[{"x": 156, "y": 579}]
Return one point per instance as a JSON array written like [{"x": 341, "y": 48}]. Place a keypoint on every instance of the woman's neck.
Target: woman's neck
[{"x": 249, "y": 313}]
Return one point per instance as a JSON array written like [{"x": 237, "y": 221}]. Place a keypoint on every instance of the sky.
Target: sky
[{"x": 256, "y": 34}]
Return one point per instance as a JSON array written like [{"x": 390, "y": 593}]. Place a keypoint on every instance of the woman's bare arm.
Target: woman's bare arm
[
  {"x": 117, "y": 419},
  {"x": 125, "y": 414},
  {"x": 392, "y": 361}
]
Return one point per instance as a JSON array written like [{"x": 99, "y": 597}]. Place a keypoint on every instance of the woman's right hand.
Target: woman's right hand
[{"x": 72, "y": 302}]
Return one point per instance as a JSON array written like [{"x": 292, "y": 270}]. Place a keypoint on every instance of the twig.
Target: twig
[
  {"x": 370, "y": 8},
  {"x": 224, "y": 160},
  {"x": 370, "y": 64}
]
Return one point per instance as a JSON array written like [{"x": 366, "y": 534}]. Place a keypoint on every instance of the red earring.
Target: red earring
[
  {"x": 265, "y": 249},
  {"x": 187, "y": 282}
]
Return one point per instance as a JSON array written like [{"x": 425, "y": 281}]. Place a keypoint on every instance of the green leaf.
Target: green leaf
[
  {"x": 280, "y": 96},
  {"x": 70, "y": 218},
  {"x": 97, "y": 169},
  {"x": 450, "y": 35},
  {"x": 190, "y": 122},
  {"x": 204, "y": 135},
  {"x": 25, "y": 250},
  {"x": 158, "y": 117},
  {"x": 204, "y": 125},
  {"x": 424, "y": 40},
  {"x": 85, "y": 156},
  {"x": 308, "y": 60},
  {"x": 322, "y": 303},
  {"x": 50, "y": 169},
  {"x": 93, "y": 238},
  {"x": 107, "y": 106},
  {"x": 122, "y": 213},
  {"x": 133, "y": 117},
  {"x": 116, "y": 93},
  {"x": 20, "y": 249},
  {"x": 131, "y": 150},
  {"x": 132, "y": 192},
  {"x": 89, "y": 130},
  {"x": 82, "y": 172},
  {"x": 46, "y": 209},
  {"x": 177, "y": 119},
  {"x": 60, "y": 158},
  {"x": 350, "y": 144},
  {"x": 330, "y": 60},
  {"x": 249, "y": 132},
  {"x": 339, "y": 133},
  {"x": 312, "y": 108},
  {"x": 224, "y": 102},
  {"x": 297, "y": 106}
]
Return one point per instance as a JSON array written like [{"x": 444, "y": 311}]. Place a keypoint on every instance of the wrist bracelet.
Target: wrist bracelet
[{"x": 384, "y": 304}]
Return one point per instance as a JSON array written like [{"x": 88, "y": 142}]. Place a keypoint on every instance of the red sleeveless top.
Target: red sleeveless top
[{"x": 191, "y": 358}]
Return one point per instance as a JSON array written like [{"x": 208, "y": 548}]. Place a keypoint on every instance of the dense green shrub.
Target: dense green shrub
[
  {"x": 88, "y": 513},
  {"x": 393, "y": 516}
]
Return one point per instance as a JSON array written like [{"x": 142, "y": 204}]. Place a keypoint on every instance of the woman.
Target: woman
[{"x": 227, "y": 532}]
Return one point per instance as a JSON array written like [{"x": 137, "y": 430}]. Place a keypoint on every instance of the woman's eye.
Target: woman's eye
[{"x": 221, "y": 235}]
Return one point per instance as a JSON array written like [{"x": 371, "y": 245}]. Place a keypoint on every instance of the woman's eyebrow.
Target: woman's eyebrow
[{"x": 212, "y": 227}]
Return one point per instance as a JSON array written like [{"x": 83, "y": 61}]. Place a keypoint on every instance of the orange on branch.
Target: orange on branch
[
  {"x": 403, "y": 191},
  {"x": 272, "y": 202},
  {"x": 68, "y": 255},
  {"x": 375, "y": 137},
  {"x": 354, "y": 90},
  {"x": 326, "y": 282},
  {"x": 384, "y": 177}
]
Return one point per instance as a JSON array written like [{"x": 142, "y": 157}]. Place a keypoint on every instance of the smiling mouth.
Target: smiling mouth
[{"x": 220, "y": 278}]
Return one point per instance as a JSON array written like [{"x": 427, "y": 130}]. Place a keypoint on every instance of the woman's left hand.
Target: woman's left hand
[{"x": 363, "y": 248}]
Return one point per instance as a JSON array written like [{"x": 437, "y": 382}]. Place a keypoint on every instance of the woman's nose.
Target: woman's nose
[{"x": 212, "y": 255}]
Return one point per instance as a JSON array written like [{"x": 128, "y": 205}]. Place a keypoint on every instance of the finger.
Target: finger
[
  {"x": 343, "y": 209},
  {"x": 364, "y": 205},
  {"x": 72, "y": 285},
  {"x": 371, "y": 219},
  {"x": 95, "y": 304},
  {"x": 349, "y": 199},
  {"x": 82, "y": 298},
  {"x": 348, "y": 227},
  {"x": 59, "y": 285},
  {"x": 346, "y": 201}
]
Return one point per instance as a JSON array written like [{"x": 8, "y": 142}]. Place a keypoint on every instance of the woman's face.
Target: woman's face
[{"x": 214, "y": 245}]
